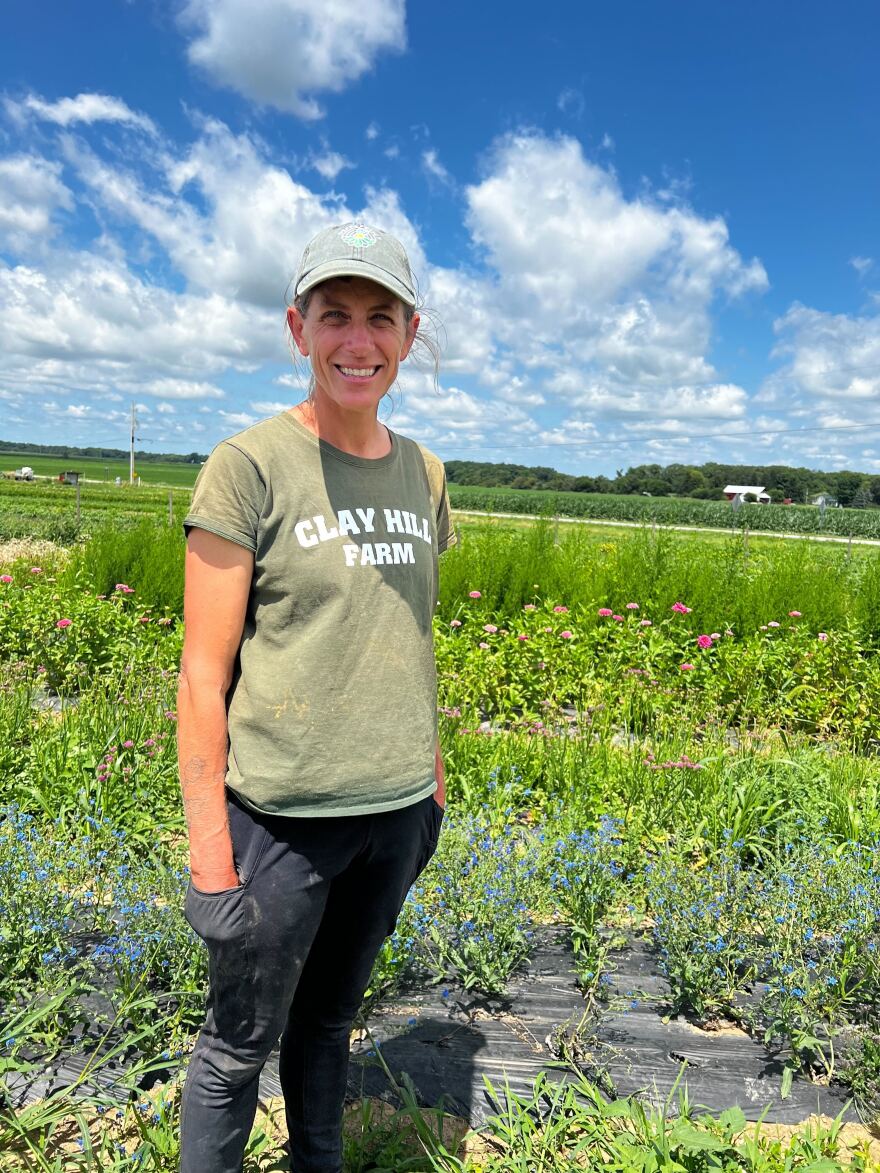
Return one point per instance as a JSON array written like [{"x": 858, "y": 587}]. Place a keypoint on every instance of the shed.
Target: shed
[
  {"x": 743, "y": 492},
  {"x": 69, "y": 477}
]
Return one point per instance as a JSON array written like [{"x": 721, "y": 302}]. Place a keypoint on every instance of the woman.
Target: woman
[{"x": 310, "y": 770}]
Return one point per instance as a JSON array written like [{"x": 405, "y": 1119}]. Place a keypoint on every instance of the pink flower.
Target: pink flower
[
  {"x": 704, "y": 641},
  {"x": 632, "y": 606},
  {"x": 686, "y": 667},
  {"x": 127, "y": 744},
  {"x": 772, "y": 623},
  {"x": 144, "y": 619},
  {"x": 475, "y": 595},
  {"x": 483, "y": 646},
  {"x": 561, "y": 610},
  {"x": 645, "y": 623},
  {"x": 566, "y": 635},
  {"x": 617, "y": 618},
  {"x": 530, "y": 607},
  {"x": 823, "y": 635},
  {"x": 548, "y": 628},
  {"x": 63, "y": 623},
  {"x": 728, "y": 632},
  {"x": 36, "y": 570},
  {"x": 681, "y": 609},
  {"x": 795, "y": 614},
  {"x": 124, "y": 588},
  {"x": 170, "y": 715},
  {"x": 490, "y": 628},
  {"x": 455, "y": 623},
  {"x": 523, "y": 638},
  {"x": 5, "y": 578},
  {"x": 716, "y": 635},
  {"x": 165, "y": 622},
  {"x": 605, "y": 612}
]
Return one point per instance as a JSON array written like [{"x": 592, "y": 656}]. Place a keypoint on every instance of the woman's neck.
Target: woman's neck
[{"x": 359, "y": 435}]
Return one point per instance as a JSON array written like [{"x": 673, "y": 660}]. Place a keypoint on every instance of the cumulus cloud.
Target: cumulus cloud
[
  {"x": 832, "y": 359},
  {"x": 571, "y": 102},
  {"x": 434, "y": 169},
  {"x": 31, "y": 190},
  {"x": 281, "y": 52},
  {"x": 86, "y": 108},
  {"x": 329, "y": 164},
  {"x": 577, "y": 295},
  {"x": 269, "y": 406},
  {"x": 247, "y": 231},
  {"x": 862, "y": 265},
  {"x": 610, "y": 296}
]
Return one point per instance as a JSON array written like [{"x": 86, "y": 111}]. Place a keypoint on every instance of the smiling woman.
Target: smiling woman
[{"x": 309, "y": 761}]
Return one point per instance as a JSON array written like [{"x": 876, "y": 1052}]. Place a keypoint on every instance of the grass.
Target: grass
[
  {"x": 95, "y": 469},
  {"x": 732, "y": 810}
]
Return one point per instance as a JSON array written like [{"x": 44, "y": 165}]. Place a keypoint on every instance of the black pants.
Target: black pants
[{"x": 290, "y": 955}]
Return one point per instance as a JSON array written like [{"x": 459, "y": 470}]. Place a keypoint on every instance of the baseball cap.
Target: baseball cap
[{"x": 356, "y": 250}]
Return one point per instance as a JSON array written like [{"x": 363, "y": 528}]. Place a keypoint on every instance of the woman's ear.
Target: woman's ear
[
  {"x": 411, "y": 331},
  {"x": 296, "y": 325}
]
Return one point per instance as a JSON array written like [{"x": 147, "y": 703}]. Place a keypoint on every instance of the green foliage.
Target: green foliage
[{"x": 782, "y": 519}]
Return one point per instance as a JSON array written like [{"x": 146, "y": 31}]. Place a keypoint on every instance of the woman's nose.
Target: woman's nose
[{"x": 357, "y": 336}]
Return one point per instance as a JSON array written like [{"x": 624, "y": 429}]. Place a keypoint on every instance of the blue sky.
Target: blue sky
[{"x": 649, "y": 233}]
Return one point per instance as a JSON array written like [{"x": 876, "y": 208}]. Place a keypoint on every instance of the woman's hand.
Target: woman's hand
[{"x": 210, "y": 882}]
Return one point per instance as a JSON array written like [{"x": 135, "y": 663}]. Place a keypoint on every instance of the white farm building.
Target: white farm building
[{"x": 742, "y": 493}]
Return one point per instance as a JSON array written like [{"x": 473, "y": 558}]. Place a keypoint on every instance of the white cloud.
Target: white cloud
[
  {"x": 832, "y": 359},
  {"x": 166, "y": 409},
  {"x": 268, "y": 406},
  {"x": 248, "y": 233},
  {"x": 434, "y": 168},
  {"x": 571, "y": 102},
  {"x": 181, "y": 389},
  {"x": 237, "y": 419},
  {"x": 31, "y": 190},
  {"x": 329, "y": 164},
  {"x": 86, "y": 108},
  {"x": 281, "y": 52},
  {"x": 372, "y": 132},
  {"x": 392, "y": 152},
  {"x": 862, "y": 265}
]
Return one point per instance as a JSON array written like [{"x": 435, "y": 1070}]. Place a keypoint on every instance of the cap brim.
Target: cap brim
[{"x": 355, "y": 268}]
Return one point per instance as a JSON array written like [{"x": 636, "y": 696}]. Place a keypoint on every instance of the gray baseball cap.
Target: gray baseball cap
[{"x": 356, "y": 250}]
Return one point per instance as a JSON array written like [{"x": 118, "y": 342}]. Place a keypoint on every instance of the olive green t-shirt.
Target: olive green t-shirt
[{"x": 333, "y": 703}]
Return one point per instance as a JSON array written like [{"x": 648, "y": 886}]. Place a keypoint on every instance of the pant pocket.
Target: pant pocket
[
  {"x": 250, "y": 837},
  {"x": 433, "y": 821}
]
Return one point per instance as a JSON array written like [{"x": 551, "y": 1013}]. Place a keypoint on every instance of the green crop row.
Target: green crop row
[{"x": 796, "y": 519}]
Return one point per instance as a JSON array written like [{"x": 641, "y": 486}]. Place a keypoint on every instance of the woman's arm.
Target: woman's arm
[
  {"x": 440, "y": 775},
  {"x": 218, "y": 580}
]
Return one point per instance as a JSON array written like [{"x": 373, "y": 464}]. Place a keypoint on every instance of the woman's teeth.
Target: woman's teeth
[{"x": 359, "y": 372}]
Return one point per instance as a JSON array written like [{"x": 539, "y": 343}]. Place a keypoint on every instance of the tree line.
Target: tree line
[
  {"x": 704, "y": 481},
  {"x": 69, "y": 451}
]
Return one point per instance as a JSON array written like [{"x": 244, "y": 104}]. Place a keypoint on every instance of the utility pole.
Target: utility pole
[{"x": 131, "y": 449}]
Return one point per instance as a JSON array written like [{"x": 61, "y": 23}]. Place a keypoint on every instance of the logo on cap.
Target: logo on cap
[{"x": 358, "y": 235}]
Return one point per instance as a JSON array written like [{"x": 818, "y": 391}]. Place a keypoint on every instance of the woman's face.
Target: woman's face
[{"x": 356, "y": 336}]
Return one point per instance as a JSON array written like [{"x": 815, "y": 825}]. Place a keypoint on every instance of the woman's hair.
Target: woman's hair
[{"x": 426, "y": 346}]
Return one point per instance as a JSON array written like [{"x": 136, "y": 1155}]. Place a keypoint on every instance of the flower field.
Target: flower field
[{"x": 647, "y": 739}]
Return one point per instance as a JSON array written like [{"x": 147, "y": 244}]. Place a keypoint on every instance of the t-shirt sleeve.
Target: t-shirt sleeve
[
  {"x": 446, "y": 535},
  {"x": 229, "y": 496}
]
